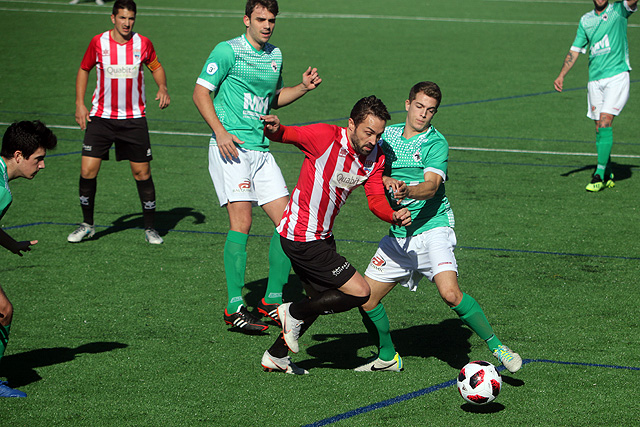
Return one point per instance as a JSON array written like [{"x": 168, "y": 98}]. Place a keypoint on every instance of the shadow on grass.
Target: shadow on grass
[
  {"x": 447, "y": 341},
  {"x": 164, "y": 221},
  {"x": 620, "y": 172},
  {"x": 20, "y": 369},
  {"x": 489, "y": 408}
]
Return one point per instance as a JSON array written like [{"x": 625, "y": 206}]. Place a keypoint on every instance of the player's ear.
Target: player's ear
[
  {"x": 352, "y": 125},
  {"x": 407, "y": 104},
  {"x": 247, "y": 20},
  {"x": 18, "y": 156}
]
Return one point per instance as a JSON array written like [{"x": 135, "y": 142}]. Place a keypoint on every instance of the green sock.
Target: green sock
[
  {"x": 4, "y": 338},
  {"x": 235, "y": 261},
  {"x": 279, "y": 268},
  {"x": 472, "y": 315},
  {"x": 604, "y": 143},
  {"x": 386, "y": 350}
]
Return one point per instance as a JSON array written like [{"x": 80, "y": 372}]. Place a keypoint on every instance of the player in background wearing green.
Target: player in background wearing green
[
  {"x": 245, "y": 75},
  {"x": 416, "y": 169},
  {"x": 24, "y": 146},
  {"x": 604, "y": 32}
]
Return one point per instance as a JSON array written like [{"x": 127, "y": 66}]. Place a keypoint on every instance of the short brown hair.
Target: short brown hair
[
  {"x": 430, "y": 89},
  {"x": 270, "y": 5},
  {"x": 369, "y": 105},
  {"x": 123, "y": 4}
]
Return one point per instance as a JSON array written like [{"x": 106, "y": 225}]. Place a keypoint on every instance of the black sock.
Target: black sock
[
  {"x": 147, "y": 193},
  {"x": 328, "y": 302},
  {"x": 87, "y": 192}
]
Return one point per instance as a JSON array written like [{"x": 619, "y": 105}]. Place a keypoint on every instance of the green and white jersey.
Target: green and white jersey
[
  {"x": 605, "y": 36},
  {"x": 5, "y": 192},
  {"x": 245, "y": 82},
  {"x": 408, "y": 160}
]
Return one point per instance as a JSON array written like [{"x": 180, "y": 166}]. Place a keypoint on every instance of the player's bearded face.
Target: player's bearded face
[
  {"x": 600, "y": 4},
  {"x": 366, "y": 135},
  {"x": 420, "y": 111}
]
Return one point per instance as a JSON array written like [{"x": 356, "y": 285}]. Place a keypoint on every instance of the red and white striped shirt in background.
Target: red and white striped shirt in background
[
  {"x": 119, "y": 90},
  {"x": 330, "y": 172}
]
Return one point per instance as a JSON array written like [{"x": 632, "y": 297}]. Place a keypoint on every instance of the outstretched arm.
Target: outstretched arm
[
  {"x": 569, "y": 61},
  {"x": 310, "y": 81},
  {"x": 632, "y": 4}
]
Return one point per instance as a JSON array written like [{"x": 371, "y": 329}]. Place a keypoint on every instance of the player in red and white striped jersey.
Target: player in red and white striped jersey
[
  {"x": 118, "y": 113},
  {"x": 337, "y": 161}
]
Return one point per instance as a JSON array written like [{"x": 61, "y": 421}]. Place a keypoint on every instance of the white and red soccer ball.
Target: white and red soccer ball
[{"x": 479, "y": 382}]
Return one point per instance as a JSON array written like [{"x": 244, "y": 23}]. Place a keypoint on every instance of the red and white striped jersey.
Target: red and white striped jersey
[
  {"x": 119, "y": 90},
  {"x": 330, "y": 172}
]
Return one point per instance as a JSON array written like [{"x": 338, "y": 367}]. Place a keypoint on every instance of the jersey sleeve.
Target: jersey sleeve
[
  {"x": 150, "y": 59},
  {"x": 436, "y": 157},
  {"x": 581, "y": 41},
  {"x": 374, "y": 185},
  {"x": 627, "y": 11},
  {"x": 311, "y": 139},
  {"x": 217, "y": 66},
  {"x": 90, "y": 56}
]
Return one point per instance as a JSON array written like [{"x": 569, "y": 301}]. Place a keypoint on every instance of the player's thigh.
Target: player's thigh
[
  {"x": 434, "y": 249},
  {"x": 132, "y": 140},
  {"x": 392, "y": 263},
  {"x": 98, "y": 139},
  {"x": 319, "y": 264},
  {"x": 275, "y": 209},
  {"x": 616, "y": 94},
  {"x": 231, "y": 178},
  {"x": 267, "y": 180}
]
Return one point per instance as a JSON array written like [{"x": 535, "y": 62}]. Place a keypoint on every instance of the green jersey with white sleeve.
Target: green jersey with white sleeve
[
  {"x": 605, "y": 36},
  {"x": 245, "y": 83},
  {"x": 408, "y": 160},
  {"x": 5, "y": 193}
]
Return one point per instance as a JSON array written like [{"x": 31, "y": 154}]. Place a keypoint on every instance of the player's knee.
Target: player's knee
[
  {"x": 6, "y": 312},
  {"x": 452, "y": 297}
]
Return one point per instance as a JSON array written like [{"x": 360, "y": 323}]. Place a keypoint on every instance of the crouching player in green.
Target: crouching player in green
[
  {"x": 24, "y": 146},
  {"x": 416, "y": 168}
]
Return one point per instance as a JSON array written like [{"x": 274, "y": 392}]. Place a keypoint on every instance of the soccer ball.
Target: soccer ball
[{"x": 479, "y": 382}]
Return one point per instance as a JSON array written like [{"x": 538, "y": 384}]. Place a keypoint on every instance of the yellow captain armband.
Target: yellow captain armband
[{"x": 154, "y": 65}]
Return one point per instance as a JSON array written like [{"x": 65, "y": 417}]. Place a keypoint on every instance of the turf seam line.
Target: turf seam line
[{"x": 418, "y": 393}]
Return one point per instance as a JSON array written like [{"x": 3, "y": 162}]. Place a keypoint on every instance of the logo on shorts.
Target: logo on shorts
[
  {"x": 445, "y": 263},
  {"x": 378, "y": 261},
  {"x": 212, "y": 68},
  {"x": 245, "y": 185},
  {"x": 148, "y": 152},
  {"x": 340, "y": 269},
  {"x": 86, "y": 147}
]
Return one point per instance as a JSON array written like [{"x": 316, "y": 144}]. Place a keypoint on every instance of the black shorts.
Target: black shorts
[
  {"x": 318, "y": 263},
  {"x": 131, "y": 137}
]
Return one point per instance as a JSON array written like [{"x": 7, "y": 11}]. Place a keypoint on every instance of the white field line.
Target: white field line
[
  {"x": 495, "y": 150},
  {"x": 213, "y": 13}
]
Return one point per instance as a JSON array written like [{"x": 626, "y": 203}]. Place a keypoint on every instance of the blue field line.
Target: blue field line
[
  {"x": 224, "y": 233},
  {"x": 418, "y": 393}
]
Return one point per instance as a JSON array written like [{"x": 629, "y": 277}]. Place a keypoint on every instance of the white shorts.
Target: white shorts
[
  {"x": 406, "y": 260},
  {"x": 607, "y": 95},
  {"x": 253, "y": 177}
]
